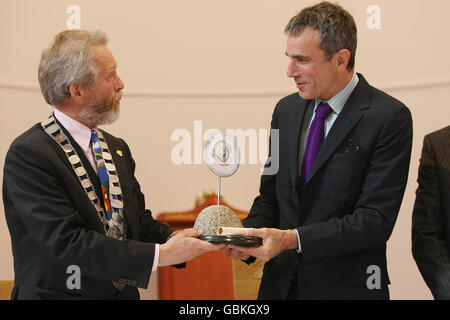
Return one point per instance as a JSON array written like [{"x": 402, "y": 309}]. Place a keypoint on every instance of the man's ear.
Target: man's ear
[
  {"x": 78, "y": 93},
  {"x": 75, "y": 91},
  {"x": 342, "y": 58}
]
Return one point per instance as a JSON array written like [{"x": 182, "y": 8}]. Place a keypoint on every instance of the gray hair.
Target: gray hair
[
  {"x": 336, "y": 26},
  {"x": 68, "y": 60}
]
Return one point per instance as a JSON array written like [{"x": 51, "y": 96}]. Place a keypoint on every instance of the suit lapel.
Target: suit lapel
[
  {"x": 295, "y": 126},
  {"x": 347, "y": 119}
]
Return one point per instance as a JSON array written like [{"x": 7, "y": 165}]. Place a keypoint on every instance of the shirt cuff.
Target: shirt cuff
[
  {"x": 299, "y": 250},
  {"x": 156, "y": 257}
]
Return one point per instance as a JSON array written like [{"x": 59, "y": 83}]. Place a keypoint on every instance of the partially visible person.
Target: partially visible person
[
  {"x": 73, "y": 205},
  {"x": 431, "y": 214}
]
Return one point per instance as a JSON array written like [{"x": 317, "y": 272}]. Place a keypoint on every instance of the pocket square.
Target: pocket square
[{"x": 351, "y": 147}]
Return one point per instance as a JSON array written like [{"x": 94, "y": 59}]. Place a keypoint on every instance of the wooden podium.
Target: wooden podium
[{"x": 209, "y": 277}]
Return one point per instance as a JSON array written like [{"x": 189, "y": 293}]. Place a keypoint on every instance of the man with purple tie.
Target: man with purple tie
[{"x": 344, "y": 151}]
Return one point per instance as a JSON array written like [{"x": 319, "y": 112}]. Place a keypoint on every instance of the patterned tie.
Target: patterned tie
[
  {"x": 104, "y": 181},
  {"x": 316, "y": 137},
  {"x": 102, "y": 173}
]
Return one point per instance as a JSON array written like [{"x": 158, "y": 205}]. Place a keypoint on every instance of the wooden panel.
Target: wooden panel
[
  {"x": 6, "y": 287},
  {"x": 186, "y": 219},
  {"x": 246, "y": 279},
  {"x": 208, "y": 277}
]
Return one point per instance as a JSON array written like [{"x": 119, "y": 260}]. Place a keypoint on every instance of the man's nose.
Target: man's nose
[
  {"x": 119, "y": 84},
  {"x": 292, "y": 70}
]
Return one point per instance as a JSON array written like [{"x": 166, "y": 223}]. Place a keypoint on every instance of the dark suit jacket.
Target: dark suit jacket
[
  {"x": 431, "y": 215},
  {"x": 348, "y": 207},
  {"x": 53, "y": 224}
]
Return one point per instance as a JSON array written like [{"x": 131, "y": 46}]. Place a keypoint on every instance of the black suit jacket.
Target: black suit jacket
[
  {"x": 53, "y": 224},
  {"x": 431, "y": 215},
  {"x": 348, "y": 207}
]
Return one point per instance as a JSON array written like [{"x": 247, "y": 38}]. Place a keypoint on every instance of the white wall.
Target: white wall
[{"x": 222, "y": 63}]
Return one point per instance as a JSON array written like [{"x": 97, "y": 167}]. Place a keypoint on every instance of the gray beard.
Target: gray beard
[{"x": 99, "y": 112}]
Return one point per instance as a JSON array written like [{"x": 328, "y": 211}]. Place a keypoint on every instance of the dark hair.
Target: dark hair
[{"x": 336, "y": 27}]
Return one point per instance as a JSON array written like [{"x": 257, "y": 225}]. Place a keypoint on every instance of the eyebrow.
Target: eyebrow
[
  {"x": 113, "y": 67},
  {"x": 297, "y": 56}
]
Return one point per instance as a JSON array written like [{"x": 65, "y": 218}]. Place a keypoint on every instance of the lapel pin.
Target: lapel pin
[{"x": 119, "y": 152}]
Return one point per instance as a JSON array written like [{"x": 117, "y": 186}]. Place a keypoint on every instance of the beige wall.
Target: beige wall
[{"x": 223, "y": 63}]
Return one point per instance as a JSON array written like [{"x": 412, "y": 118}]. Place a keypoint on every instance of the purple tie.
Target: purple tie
[{"x": 316, "y": 136}]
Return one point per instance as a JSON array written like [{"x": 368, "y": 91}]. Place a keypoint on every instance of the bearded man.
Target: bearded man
[{"x": 74, "y": 208}]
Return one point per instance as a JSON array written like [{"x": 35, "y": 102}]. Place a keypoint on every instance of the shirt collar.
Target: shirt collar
[
  {"x": 79, "y": 132},
  {"x": 338, "y": 101}
]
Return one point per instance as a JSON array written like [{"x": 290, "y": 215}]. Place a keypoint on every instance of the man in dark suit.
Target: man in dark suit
[
  {"x": 431, "y": 215},
  {"x": 75, "y": 211},
  {"x": 344, "y": 150}
]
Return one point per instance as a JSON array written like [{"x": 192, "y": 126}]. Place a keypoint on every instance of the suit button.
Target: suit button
[{"x": 293, "y": 189}]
